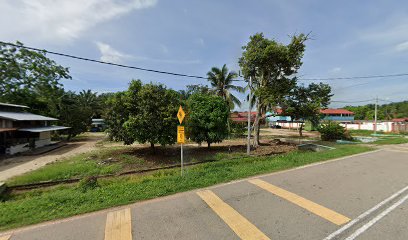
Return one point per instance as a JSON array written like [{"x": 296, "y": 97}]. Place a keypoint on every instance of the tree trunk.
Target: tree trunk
[
  {"x": 152, "y": 146},
  {"x": 229, "y": 129},
  {"x": 208, "y": 144},
  {"x": 300, "y": 130},
  {"x": 256, "y": 125}
]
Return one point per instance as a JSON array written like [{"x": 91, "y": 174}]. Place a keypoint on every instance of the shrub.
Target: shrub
[
  {"x": 331, "y": 131},
  {"x": 237, "y": 129},
  {"x": 88, "y": 183}
]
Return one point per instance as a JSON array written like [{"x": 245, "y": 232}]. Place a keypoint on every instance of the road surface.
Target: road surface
[{"x": 359, "y": 197}]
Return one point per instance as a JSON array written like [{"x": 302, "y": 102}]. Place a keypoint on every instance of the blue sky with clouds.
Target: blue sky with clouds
[{"x": 350, "y": 38}]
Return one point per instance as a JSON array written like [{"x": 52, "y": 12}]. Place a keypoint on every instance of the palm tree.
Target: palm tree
[{"x": 222, "y": 82}]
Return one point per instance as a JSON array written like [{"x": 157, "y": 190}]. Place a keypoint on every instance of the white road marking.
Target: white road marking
[
  {"x": 365, "y": 214},
  {"x": 377, "y": 218}
]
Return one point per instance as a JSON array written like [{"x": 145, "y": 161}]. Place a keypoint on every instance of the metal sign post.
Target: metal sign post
[{"x": 180, "y": 135}]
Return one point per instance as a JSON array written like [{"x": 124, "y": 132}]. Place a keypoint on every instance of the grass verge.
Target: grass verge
[
  {"x": 393, "y": 140},
  {"x": 24, "y": 208}
]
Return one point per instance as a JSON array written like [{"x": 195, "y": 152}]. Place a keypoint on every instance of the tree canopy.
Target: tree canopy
[
  {"x": 207, "y": 118},
  {"x": 30, "y": 78},
  {"x": 221, "y": 81},
  {"x": 304, "y": 103},
  {"x": 272, "y": 67}
]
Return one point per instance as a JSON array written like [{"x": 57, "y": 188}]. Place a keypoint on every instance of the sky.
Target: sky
[{"x": 349, "y": 38}]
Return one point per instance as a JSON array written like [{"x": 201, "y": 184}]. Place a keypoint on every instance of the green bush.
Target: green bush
[
  {"x": 237, "y": 129},
  {"x": 88, "y": 183},
  {"x": 331, "y": 131}
]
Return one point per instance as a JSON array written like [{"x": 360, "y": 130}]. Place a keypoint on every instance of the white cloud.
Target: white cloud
[
  {"x": 109, "y": 54},
  {"x": 60, "y": 20},
  {"x": 335, "y": 70},
  {"x": 402, "y": 46}
]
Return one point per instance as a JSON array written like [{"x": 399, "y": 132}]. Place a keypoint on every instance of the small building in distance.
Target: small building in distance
[
  {"x": 338, "y": 115},
  {"x": 98, "y": 125},
  {"x": 21, "y": 131}
]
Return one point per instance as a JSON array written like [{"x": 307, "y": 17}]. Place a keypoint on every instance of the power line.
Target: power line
[
  {"x": 186, "y": 75},
  {"x": 356, "y": 77},
  {"x": 103, "y": 62}
]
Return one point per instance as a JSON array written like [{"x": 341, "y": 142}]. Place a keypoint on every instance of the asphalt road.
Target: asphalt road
[{"x": 359, "y": 197}]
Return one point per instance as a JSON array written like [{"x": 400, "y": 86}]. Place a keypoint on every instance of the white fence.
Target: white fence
[{"x": 381, "y": 126}]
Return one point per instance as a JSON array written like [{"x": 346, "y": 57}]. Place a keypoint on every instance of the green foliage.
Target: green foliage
[
  {"x": 30, "y": 78},
  {"x": 237, "y": 129},
  {"x": 385, "y": 112},
  {"x": 74, "y": 113},
  {"x": 272, "y": 66},
  {"x": 144, "y": 113},
  {"x": 192, "y": 89},
  {"x": 304, "y": 103},
  {"x": 41, "y": 205},
  {"x": 88, "y": 183},
  {"x": 331, "y": 131},
  {"x": 222, "y": 82},
  {"x": 207, "y": 118}
]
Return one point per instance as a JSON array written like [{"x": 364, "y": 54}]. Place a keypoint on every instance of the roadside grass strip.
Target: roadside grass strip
[
  {"x": 118, "y": 225},
  {"x": 239, "y": 224},
  {"x": 315, "y": 208}
]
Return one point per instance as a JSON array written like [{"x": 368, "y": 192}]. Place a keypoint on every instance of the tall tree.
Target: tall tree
[
  {"x": 304, "y": 103},
  {"x": 30, "y": 78},
  {"x": 155, "y": 118},
  {"x": 74, "y": 115},
  {"x": 222, "y": 82},
  {"x": 207, "y": 118},
  {"x": 272, "y": 67}
]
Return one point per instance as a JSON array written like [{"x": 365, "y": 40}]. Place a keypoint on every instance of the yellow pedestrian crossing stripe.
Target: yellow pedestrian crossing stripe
[
  {"x": 239, "y": 224},
  {"x": 118, "y": 225},
  {"x": 315, "y": 208}
]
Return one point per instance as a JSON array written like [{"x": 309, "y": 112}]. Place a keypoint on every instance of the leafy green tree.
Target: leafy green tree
[
  {"x": 304, "y": 103},
  {"x": 207, "y": 118},
  {"x": 222, "y": 82},
  {"x": 195, "y": 88},
  {"x": 72, "y": 115},
  {"x": 155, "y": 121},
  {"x": 272, "y": 66},
  {"x": 30, "y": 78},
  {"x": 117, "y": 113}
]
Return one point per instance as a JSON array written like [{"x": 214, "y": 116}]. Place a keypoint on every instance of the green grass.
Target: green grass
[
  {"x": 35, "y": 206},
  {"x": 391, "y": 140},
  {"x": 82, "y": 165}
]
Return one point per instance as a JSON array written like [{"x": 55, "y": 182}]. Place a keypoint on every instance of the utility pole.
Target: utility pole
[
  {"x": 375, "y": 115},
  {"x": 249, "y": 116}
]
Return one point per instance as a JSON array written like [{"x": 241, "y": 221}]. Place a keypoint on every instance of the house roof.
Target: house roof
[
  {"x": 335, "y": 111},
  {"x": 12, "y": 105},
  {"x": 400, "y": 120},
  {"x": 42, "y": 129},
  {"x": 24, "y": 116}
]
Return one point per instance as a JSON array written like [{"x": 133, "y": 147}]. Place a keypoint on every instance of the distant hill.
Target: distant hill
[{"x": 385, "y": 112}]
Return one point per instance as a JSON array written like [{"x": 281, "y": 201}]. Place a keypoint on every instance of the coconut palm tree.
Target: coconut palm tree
[{"x": 222, "y": 83}]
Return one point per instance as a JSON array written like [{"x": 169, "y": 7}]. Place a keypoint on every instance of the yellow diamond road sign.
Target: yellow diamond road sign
[{"x": 181, "y": 114}]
